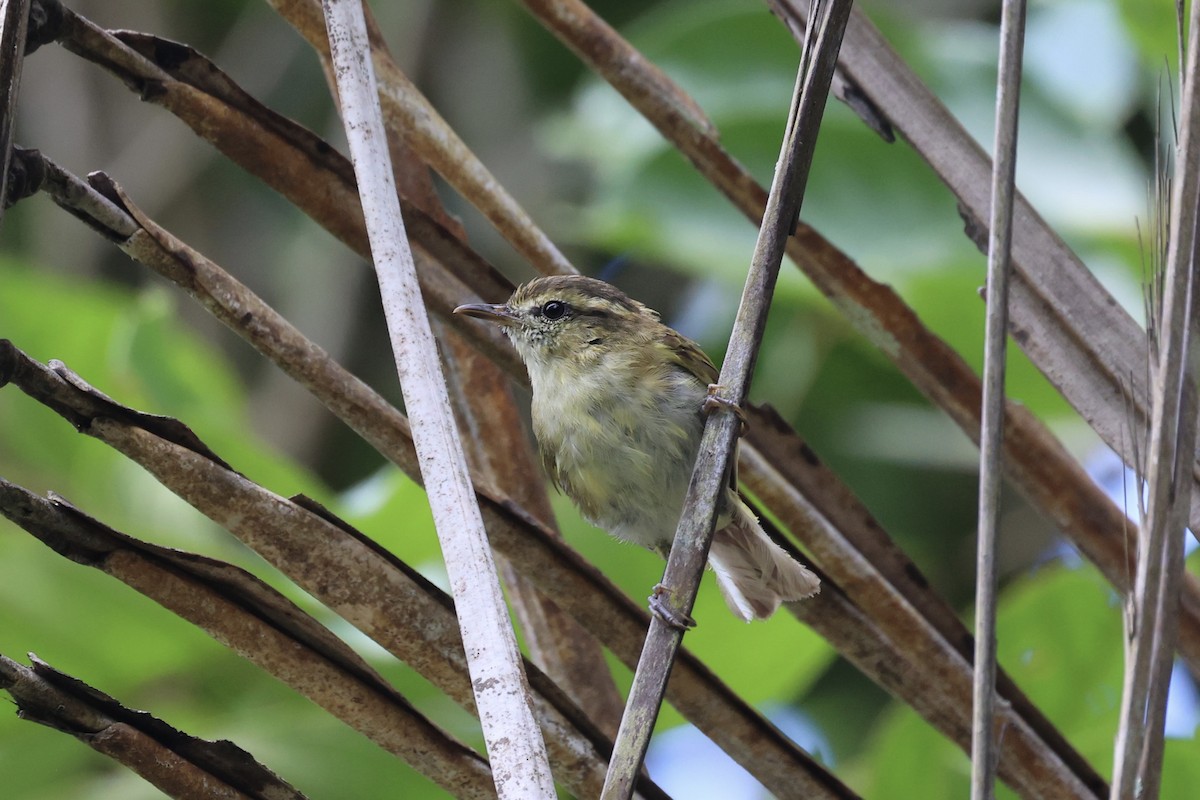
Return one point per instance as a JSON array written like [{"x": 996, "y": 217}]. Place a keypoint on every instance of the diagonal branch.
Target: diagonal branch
[
  {"x": 685, "y": 565},
  {"x": 406, "y": 110}
]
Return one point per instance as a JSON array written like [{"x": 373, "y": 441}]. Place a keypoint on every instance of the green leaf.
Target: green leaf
[{"x": 1154, "y": 31}]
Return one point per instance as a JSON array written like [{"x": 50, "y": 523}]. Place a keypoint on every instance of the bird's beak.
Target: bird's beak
[{"x": 499, "y": 314}]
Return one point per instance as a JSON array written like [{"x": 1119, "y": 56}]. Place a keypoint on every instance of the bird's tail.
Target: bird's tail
[{"x": 754, "y": 574}]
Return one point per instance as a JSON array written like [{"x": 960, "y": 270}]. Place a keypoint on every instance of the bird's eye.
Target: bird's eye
[{"x": 555, "y": 309}]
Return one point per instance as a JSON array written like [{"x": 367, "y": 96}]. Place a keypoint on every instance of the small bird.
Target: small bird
[{"x": 619, "y": 403}]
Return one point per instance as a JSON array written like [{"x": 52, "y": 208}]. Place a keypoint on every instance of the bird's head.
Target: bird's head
[{"x": 566, "y": 318}]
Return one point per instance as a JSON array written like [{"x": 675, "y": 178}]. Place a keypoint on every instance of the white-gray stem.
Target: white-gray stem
[
  {"x": 984, "y": 752},
  {"x": 514, "y": 741}
]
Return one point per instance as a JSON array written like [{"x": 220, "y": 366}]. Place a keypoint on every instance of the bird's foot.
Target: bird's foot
[
  {"x": 660, "y": 606},
  {"x": 714, "y": 401}
]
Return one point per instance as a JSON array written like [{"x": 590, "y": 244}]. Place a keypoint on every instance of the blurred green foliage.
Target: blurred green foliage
[{"x": 627, "y": 207}]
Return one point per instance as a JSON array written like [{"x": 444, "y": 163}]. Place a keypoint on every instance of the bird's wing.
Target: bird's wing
[{"x": 688, "y": 355}]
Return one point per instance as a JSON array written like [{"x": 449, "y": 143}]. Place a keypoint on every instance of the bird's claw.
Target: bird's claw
[
  {"x": 660, "y": 606},
  {"x": 714, "y": 401}
]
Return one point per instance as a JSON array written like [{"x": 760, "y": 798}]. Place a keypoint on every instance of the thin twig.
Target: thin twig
[
  {"x": 1170, "y": 459},
  {"x": 520, "y": 765},
  {"x": 984, "y": 753},
  {"x": 694, "y": 533}
]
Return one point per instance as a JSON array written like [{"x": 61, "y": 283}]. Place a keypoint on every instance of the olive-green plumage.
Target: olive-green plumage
[{"x": 618, "y": 403}]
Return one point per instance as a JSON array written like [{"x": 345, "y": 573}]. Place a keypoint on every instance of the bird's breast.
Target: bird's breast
[{"x": 621, "y": 446}]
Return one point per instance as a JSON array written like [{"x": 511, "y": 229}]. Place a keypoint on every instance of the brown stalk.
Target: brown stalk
[
  {"x": 406, "y": 110},
  {"x": 179, "y": 765},
  {"x": 250, "y": 618},
  {"x": 14, "y": 23}
]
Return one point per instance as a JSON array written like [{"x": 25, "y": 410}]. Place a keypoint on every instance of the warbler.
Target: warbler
[{"x": 618, "y": 412}]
